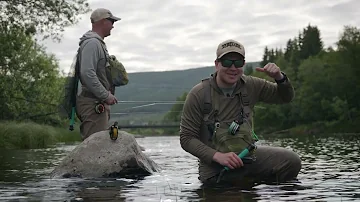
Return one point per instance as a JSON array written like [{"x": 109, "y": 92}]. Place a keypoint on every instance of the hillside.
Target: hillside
[{"x": 158, "y": 86}]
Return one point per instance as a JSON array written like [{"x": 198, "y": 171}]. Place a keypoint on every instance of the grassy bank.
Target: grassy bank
[
  {"x": 29, "y": 135},
  {"x": 321, "y": 128}
]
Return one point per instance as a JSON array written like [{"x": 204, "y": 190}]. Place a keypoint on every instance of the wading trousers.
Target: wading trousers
[
  {"x": 272, "y": 165},
  {"x": 91, "y": 122}
]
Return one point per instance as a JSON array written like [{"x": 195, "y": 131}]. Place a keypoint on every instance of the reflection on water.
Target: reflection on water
[{"x": 330, "y": 173}]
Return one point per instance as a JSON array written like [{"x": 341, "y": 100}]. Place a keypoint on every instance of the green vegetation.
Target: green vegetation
[
  {"x": 325, "y": 80},
  {"x": 30, "y": 80},
  {"x": 48, "y": 18},
  {"x": 30, "y": 135}
]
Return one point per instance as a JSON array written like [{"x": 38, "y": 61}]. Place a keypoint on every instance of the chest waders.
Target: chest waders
[
  {"x": 99, "y": 107},
  {"x": 229, "y": 135}
]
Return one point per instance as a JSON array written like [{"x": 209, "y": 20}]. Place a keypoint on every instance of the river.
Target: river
[{"x": 330, "y": 172}]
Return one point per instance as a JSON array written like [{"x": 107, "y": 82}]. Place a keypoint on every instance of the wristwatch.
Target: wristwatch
[{"x": 285, "y": 78}]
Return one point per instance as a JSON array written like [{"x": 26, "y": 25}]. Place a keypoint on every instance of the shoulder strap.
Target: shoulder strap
[
  {"x": 77, "y": 64},
  {"x": 108, "y": 74},
  {"x": 207, "y": 105},
  {"x": 245, "y": 100}
]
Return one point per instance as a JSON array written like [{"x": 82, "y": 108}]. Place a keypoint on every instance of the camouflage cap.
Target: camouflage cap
[
  {"x": 102, "y": 13},
  {"x": 229, "y": 46}
]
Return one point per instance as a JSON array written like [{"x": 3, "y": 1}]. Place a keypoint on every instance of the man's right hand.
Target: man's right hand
[
  {"x": 230, "y": 160},
  {"x": 111, "y": 99}
]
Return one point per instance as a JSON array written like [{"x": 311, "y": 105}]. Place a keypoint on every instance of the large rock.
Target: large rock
[{"x": 99, "y": 156}]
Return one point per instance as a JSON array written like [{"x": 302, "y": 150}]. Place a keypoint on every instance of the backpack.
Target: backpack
[
  {"x": 67, "y": 106},
  {"x": 119, "y": 75}
]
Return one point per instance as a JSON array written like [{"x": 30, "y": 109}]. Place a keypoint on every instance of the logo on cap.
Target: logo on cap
[{"x": 229, "y": 44}]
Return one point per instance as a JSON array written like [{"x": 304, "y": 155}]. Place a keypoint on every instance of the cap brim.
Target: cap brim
[
  {"x": 230, "y": 52},
  {"x": 115, "y": 18}
]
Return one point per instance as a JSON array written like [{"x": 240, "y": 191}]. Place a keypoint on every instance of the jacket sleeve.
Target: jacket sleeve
[
  {"x": 190, "y": 124},
  {"x": 90, "y": 58},
  {"x": 273, "y": 93}
]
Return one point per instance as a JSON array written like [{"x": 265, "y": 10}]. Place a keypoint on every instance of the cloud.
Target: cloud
[{"x": 163, "y": 35}]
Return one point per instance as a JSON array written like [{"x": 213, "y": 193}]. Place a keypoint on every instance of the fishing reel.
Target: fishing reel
[
  {"x": 99, "y": 108},
  {"x": 114, "y": 131},
  {"x": 234, "y": 127}
]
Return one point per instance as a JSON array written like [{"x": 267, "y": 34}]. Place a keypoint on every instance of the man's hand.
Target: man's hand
[
  {"x": 272, "y": 70},
  {"x": 111, "y": 99},
  {"x": 230, "y": 160}
]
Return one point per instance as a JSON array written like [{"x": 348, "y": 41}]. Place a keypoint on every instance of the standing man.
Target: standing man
[
  {"x": 216, "y": 122},
  {"x": 96, "y": 91}
]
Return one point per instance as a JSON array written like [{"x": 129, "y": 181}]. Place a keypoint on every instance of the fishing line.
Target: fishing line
[{"x": 147, "y": 105}]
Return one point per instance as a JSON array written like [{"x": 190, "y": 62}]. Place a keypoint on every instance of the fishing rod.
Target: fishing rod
[
  {"x": 126, "y": 113},
  {"x": 146, "y": 105},
  {"x": 156, "y": 102}
]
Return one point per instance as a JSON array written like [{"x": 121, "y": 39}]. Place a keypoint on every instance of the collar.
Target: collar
[{"x": 239, "y": 84}]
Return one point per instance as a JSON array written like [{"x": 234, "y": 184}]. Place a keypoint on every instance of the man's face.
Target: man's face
[
  {"x": 230, "y": 68},
  {"x": 108, "y": 25}
]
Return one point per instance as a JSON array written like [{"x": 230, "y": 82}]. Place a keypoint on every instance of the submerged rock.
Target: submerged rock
[{"x": 99, "y": 156}]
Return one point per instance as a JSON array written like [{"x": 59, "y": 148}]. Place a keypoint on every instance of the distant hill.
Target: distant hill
[{"x": 159, "y": 86}]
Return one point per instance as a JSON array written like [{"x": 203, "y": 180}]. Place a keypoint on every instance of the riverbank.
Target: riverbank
[
  {"x": 29, "y": 135},
  {"x": 320, "y": 128}
]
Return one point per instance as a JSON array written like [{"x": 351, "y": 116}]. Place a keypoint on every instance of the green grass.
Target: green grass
[
  {"x": 29, "y": 135},
  {"x": 320, "y": 128}
]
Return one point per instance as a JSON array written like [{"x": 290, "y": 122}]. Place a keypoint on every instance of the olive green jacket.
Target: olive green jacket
[{"x": 194, "y": 134}]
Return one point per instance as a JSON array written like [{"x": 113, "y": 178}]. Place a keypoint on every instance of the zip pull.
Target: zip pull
[{"x": 216, "y": 126}]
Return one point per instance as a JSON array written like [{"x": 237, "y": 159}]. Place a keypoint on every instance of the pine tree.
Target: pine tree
[
  {"x": 310, "y": 42},
  {"x": 266, "y": 58}
]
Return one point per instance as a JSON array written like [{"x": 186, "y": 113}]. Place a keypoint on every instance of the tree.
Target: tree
[
  {"x": 48, "y": 18},
  {"x": 174, "y": 115},
  {"x": 310, "y": 42},
  {"x": 248, "y": 69},
  {"x": 288, "y": 50},
  {"x": 348, "y": 63},
  {"x": 30, "y": 83},
  {"x": 266, "y": 57}
]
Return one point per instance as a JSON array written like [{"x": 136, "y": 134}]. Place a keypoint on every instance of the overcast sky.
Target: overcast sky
[{"x": 157, "y": 35}]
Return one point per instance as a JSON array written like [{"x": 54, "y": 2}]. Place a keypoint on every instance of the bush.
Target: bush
[{"x": 29, "y": 135}]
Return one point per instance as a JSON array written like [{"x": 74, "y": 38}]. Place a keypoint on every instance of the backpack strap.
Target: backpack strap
[
  {"x": 207, "y": 104},
  {"x": 107, "y": 60},
  {"x": 245, "y": 100}
]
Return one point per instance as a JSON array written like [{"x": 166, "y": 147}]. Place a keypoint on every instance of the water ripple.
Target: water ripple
[{"x": 330, "y": 172}]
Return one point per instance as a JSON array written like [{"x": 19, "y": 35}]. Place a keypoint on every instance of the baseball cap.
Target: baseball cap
[
  {"x": 229, "y": 46},
  {"x": 102, "y": 13}
]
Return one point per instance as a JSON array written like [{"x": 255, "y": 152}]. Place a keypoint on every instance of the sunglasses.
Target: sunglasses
[
  {"x": 229, "y": 63},
  {"x": 111, "y": 20}
]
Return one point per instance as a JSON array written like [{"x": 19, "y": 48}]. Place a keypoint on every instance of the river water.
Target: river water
[{"x": 330, "y": 172}]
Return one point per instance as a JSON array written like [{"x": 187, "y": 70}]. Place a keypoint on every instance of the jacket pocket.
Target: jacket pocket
[{"x": 226, "y": 142}]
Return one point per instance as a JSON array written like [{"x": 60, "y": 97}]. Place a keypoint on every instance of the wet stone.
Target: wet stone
[{"x": 98, "y": 156}]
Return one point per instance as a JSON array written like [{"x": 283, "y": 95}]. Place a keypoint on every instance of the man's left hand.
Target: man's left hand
[{"x": 272, "y": 70}]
